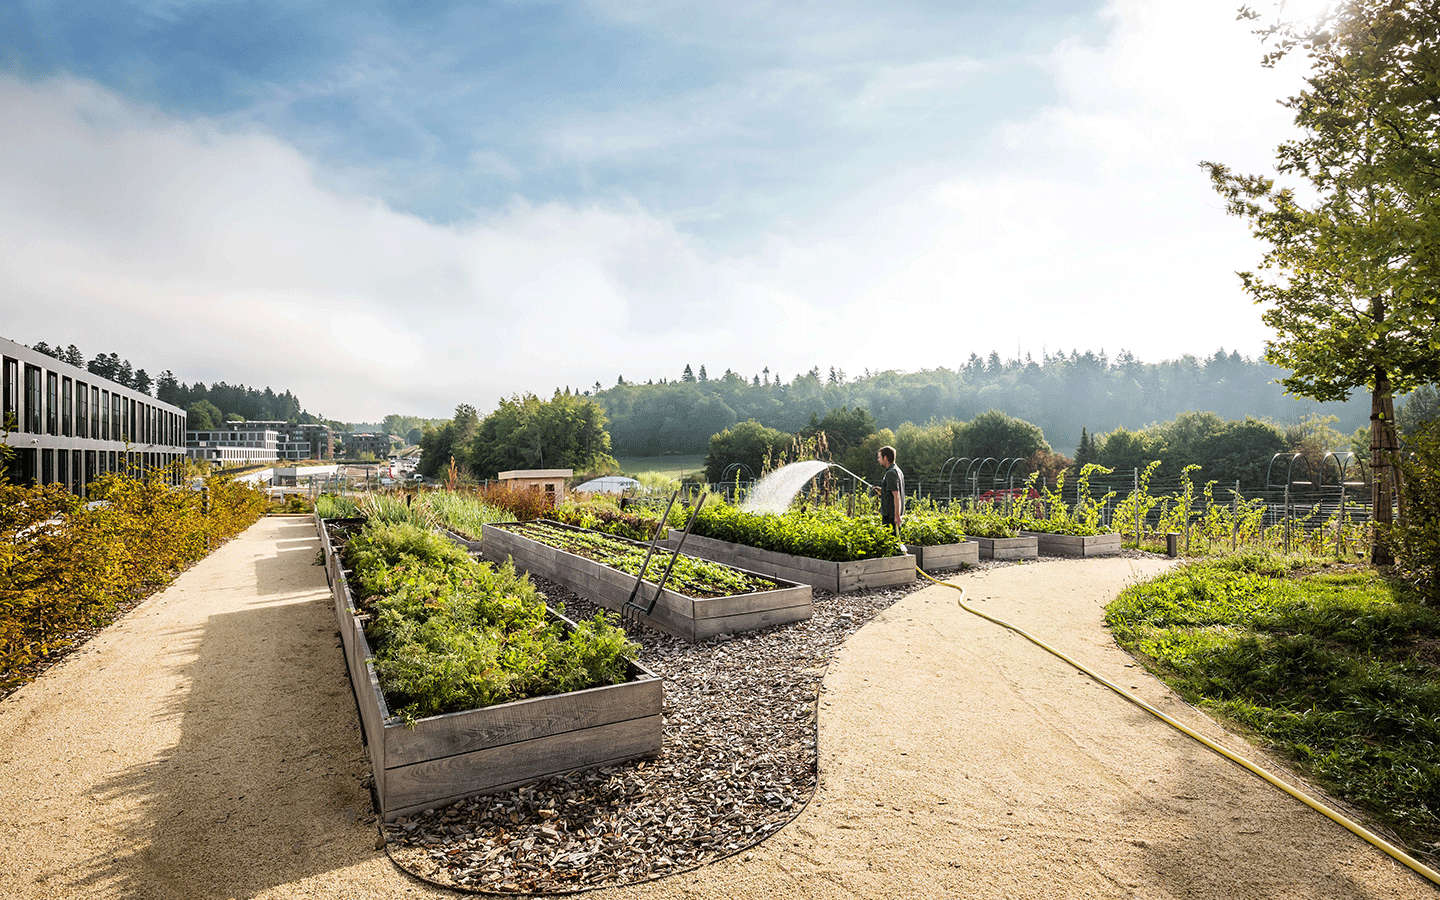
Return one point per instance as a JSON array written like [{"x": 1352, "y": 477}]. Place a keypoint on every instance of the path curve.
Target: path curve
[{"x": 207, "y": 746}]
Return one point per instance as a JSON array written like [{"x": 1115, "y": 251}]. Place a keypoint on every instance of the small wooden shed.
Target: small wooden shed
[{"x": 551, "y": 481}]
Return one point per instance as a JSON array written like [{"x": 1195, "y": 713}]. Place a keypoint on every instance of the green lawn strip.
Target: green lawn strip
[
  {"x": 1336, "y": 668},
  {"x": 690, "y": 576}
]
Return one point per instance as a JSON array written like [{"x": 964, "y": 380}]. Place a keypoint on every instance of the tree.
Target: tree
[
  {"x": 843, "y": 427},
  {"x": 1423, "y": 405},
  {"x": 999, "y": 435},
  {"x": 527, "y": 433},
  {"x": 748, "y": 443},
  {"x": 687, "y": 375},
  {"x": 203, "y": 416},
  {"x": 1356, "y": 271},
  {"x": 167, "y": 388}
]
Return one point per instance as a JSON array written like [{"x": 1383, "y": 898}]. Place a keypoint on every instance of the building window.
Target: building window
[
  {"x": 95, "y": 413},
  {"x": 10, "y": 410},
  {"x": 67, "y": 407},
  {"x": 104, "y": 407},
  {"x": 34, "y": 400},
  {"x": 82, "y": 409},
  {"x": 52, "y": 403},
  {"x": 116, "y": 423},
  {"x": 47, "y": 466}
]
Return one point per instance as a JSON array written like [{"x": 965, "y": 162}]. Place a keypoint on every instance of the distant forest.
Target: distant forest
[
  {"x": 1062, "y": 393},
  {"x": 205, "y": 406}
]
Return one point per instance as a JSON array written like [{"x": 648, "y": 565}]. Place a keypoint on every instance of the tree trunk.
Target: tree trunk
[{"x": 1385, "y": 476}]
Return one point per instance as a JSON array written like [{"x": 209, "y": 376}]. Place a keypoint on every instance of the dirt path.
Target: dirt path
[{"x": 207, "y": 746}]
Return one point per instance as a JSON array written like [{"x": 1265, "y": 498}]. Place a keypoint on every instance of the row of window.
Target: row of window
[
  {"x": 76, "y": 469},
  {"x": 52, "y": 403}
]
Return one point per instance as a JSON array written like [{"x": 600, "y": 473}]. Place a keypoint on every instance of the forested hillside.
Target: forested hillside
[
  {"x": 206, "y": 405},
  {"x": 1060, "y": 393}
]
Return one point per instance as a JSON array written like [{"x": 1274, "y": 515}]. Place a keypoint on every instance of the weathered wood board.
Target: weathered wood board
[
  {"x": 1075, "y": 544},
  {"x": 1020, "y": 547},
  {"x": 946, "y": 556}
]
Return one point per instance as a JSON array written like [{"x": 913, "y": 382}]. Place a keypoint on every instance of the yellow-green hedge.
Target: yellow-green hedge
[{"x": 67, "y": 565}]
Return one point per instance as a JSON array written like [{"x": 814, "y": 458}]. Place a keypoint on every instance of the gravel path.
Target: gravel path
[{"x": 207, "y": 746}]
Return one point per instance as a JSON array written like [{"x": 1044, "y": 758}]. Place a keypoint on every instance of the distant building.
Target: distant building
[
  {"x": 69, "y": 426},
  {"x": 261, "y": 441},
  {"x": 374, "y": 444},
  {"x": 236, "y": 442}
]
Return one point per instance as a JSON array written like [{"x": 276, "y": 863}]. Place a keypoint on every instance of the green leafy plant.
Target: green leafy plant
[
  {"x": 637, "y": 524},
  {"x": 460, "y": 511},
  {"x": 826, "y": 533},
  {"x": 450, "y": 633},
  {"x": 1415, "y": 539},
  {"x": 689, "y": 576}
]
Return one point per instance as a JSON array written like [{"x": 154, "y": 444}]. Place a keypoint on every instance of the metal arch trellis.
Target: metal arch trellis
[
  {"x": 735, "y": 468},
  {"x": 1343, "y": 461},
  {"x": 947, "y": 471},
  {"x": 1291, "y": 459},
  {"x": 975, "y": 471},
  {"x": 1009, "y": 480}
]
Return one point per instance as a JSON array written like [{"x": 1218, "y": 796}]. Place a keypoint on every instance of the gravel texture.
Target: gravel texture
[{"x": 739, "y": 760}]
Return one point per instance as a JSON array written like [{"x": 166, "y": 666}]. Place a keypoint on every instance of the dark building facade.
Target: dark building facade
[{"x": 69, "y": 426}]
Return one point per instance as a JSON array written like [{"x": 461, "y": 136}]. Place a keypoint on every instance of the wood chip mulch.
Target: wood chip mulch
[{"x": 739, "y": 760}]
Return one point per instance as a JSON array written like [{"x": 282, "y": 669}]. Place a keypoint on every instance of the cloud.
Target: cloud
[{"x": 222, "y": 251}]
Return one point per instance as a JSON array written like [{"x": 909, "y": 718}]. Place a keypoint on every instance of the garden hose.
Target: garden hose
[{"x": 1354, "y": 827}]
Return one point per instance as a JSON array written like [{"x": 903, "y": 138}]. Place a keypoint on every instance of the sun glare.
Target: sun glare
[{"x": 1303, "y": 11}]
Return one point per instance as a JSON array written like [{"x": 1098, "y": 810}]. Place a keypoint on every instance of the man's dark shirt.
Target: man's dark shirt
[{"x": 893, "y": 481}]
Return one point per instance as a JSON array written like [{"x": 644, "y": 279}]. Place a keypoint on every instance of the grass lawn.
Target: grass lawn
[
  {"x": 1332, "y": 665},
  {"x": 672, "y": 466}
]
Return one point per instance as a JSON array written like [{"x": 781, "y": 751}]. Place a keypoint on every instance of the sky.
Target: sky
[{"x": 398, "y": 208}]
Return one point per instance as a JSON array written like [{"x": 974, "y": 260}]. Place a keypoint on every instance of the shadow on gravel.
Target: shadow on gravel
[
  {"x": 1232, "y": 835},
  {"x": 266, "y": 785}
]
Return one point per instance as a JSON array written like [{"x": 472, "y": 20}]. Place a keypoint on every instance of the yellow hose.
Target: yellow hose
[{"x": 1354, "y": 827}]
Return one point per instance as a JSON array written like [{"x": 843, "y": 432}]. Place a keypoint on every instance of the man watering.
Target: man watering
[{"x": 892, "y": 489}]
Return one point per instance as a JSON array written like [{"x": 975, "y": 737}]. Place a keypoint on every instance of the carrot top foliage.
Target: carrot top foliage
[{"x": 451, "y": 633}]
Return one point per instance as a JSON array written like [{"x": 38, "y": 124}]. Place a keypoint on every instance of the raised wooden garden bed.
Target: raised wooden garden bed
[
  {"x": 461, "y": 540},
  {"x": 946, "y": 556},
  {"x": 1020, "y": 547},
  {"x": 838, "y": 577},
  {"x": 440, "y": 759},
  {"x": 1075, "y": 544},
  {"x": 691, "y": 618}
]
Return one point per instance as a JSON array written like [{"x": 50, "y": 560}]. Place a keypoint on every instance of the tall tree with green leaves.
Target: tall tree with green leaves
[{"x": 1351, "y": 277}]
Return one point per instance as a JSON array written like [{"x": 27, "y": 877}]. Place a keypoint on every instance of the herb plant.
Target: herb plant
[
  {"x": 689, "y": 576},
  {"x": 451, "y": 633}
]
